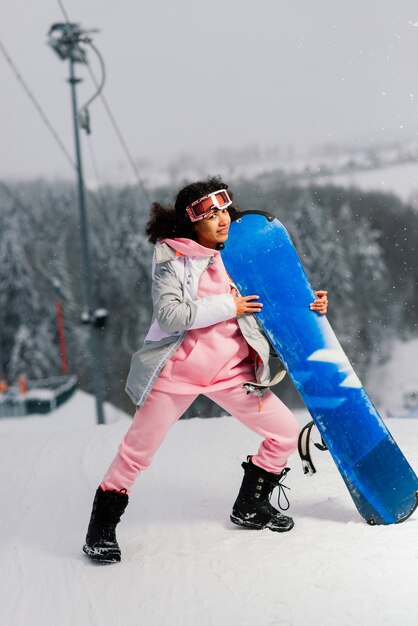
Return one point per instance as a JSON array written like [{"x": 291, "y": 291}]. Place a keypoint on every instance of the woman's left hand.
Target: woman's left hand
[{"x": 320, "y": 305}]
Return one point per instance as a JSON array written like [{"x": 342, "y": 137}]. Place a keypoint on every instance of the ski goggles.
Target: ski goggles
[{"x": 204, "y": 207}]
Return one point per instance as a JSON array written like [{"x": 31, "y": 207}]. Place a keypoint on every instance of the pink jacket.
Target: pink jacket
[
  {"x": 178, "y": 310},
  {"x": 214, "y": 357}
]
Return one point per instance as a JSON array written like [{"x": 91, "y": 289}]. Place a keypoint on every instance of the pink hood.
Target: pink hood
[{"x": 188, "y": 247}]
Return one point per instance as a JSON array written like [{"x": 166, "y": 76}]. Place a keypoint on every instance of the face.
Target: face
[{"x": 214, "y": 229}]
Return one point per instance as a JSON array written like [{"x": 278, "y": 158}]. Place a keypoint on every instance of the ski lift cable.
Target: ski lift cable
[
  {"x": 109, "y": 112},
  {"x": 64, "y": 12},
  {"x": 99, "y": 184},
  {"x": 120, "y": 137},
  {"x": 46, "y": 122},
  {"x": 84, "y": 118},
  {"x": 36, "y": 105},
  {"x": 101, "y": 201},
  {"x": 100, "y": 86}
]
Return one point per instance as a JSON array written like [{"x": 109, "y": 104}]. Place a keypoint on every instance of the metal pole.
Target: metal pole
[{"x": 87, "y": 275}]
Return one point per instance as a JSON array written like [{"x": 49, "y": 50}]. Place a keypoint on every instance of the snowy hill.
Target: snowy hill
[
  {"x": 183, "y": 562},
  {"x": 400, "y": 179},
  {"x": 391, "y": 167}
]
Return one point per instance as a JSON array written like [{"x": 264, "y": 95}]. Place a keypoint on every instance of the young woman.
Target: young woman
[{"x": 203, "y": 339}]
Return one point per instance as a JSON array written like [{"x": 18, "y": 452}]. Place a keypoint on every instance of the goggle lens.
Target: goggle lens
[{"x": 204, "y": 206}]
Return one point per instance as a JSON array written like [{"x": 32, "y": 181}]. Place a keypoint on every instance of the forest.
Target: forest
[{"x": 360, "y": 246}]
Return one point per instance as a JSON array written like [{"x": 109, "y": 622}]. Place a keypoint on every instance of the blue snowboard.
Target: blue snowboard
[{"x": 261, "y": 258}]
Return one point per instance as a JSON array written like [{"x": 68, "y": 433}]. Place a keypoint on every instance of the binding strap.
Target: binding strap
[{"x": 304, "y": 448}]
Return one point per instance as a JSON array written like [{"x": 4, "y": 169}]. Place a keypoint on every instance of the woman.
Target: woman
[{"x": 203, "y": 339}]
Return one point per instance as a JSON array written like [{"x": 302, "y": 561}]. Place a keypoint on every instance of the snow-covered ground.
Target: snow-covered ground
[{"x": 183, "y": 562}]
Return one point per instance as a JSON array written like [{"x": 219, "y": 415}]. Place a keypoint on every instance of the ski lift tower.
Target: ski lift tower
[{"x": 68, "y": 40}]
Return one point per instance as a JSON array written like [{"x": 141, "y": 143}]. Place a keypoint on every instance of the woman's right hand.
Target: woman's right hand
[{"x": 245, "y": 304}]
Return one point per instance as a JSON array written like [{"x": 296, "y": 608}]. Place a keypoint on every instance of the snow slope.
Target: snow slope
[{"x": 184, "y": 563}]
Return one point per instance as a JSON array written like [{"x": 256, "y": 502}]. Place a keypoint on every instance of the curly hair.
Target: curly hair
[{"x": 173, "y": 221}]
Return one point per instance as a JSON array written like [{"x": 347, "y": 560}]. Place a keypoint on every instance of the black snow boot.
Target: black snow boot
[
  {"x": 252, "y": 507},
  {"x": 101, "y": 544}
]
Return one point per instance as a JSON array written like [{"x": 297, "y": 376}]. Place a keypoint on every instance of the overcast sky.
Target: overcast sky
[{"x": 195, "y": 75}]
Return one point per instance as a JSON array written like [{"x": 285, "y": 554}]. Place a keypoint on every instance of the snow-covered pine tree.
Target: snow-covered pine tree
[
  {"x": 319, "y": 242},
  {"x": 369, "y": 272},
  {"x": 122, "y": 262},
  {"x": 55, "y": 254},
  {"x": 25, "y": 343}
]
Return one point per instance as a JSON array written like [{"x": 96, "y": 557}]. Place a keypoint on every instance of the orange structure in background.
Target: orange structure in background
[{"x": 22, "y": 384}]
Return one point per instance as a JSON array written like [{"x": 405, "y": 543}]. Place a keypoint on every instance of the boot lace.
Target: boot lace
[{"x": 282, "y": 495}]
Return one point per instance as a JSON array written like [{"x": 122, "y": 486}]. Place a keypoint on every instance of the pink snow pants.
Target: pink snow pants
[{"x": 275, "y": 423}]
